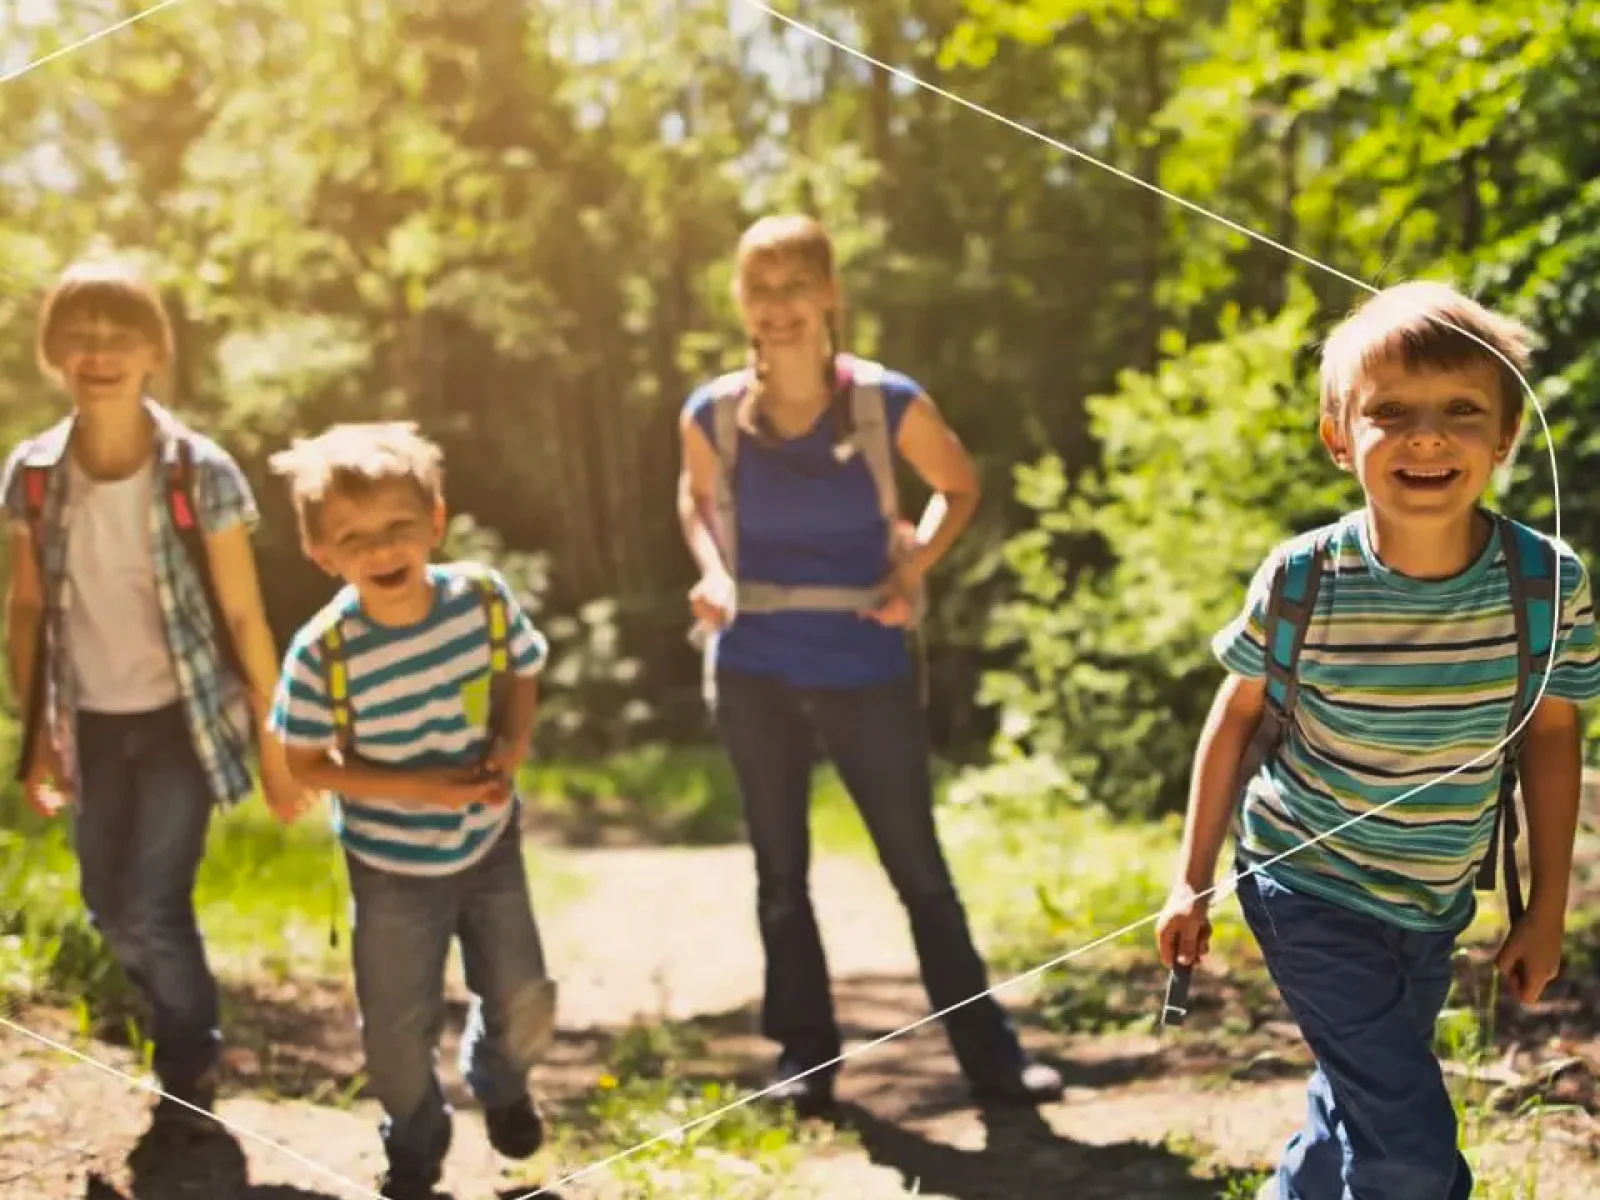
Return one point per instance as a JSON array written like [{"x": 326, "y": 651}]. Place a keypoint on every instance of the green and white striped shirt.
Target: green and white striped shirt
[{"x": 1401, "y": 681}]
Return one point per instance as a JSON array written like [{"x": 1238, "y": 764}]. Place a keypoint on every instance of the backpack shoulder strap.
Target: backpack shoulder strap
[
  {"x": 1290, "y": 605},
  {"x": 1531, "y": 576},
  {"x": 329, "y": 626},
  {"x": 497, "y": 622},
  {"x": 184, "y": 512},
  {"x": 35, "y": 489},
  {"x": 1286, "y": 620},
  {"x": 871, "y": 432}
]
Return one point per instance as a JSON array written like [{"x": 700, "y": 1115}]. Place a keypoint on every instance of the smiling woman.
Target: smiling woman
[{"x": 808, "y": 583}]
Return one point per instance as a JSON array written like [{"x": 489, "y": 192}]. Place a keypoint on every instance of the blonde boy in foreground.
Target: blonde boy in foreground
[
  {"x": 411, "y": 698},
  {"x": 1426, "y": 628}
]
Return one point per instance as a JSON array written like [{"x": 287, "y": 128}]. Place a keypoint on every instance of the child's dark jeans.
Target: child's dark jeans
[
  {"x": 402, "y": 929},
  {"x": 1366, "y": 994},
  {"x": 139, "y": 830}
]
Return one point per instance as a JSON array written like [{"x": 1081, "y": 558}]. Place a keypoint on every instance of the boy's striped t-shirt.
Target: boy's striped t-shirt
[
  {"x": 419, "y": 699},
  {"x": 1401, "y": 681}
]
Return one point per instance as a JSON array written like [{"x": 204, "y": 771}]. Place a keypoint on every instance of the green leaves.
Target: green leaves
[{"x": 1123, "y": 578}]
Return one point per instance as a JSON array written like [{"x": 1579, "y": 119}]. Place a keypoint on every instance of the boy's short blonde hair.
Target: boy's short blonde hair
[
  {"x": 1424, "y": 326},
  {"x": 352, "y": 460}
]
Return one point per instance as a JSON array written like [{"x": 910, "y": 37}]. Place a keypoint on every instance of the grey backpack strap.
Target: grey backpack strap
[
  {"x": 1290, "y": 605},
  {"x": 872, "y": 434},
  {"x": 871, "y": 418}
]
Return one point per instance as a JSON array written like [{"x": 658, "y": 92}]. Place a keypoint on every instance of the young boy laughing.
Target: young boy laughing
[
  {"x": 1427, "y": 623},
  {"x": 411, "y": 698}
]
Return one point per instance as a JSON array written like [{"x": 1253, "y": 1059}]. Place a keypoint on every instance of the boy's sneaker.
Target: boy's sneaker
[{"x": 516, "y": 1130}]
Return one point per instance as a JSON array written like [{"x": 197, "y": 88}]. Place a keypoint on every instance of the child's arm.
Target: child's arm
[
  {"x": 697, "y": 490},
  {"x": 1551, "y": 772},
  {"x": 227, "y": 512},
  {"x": 1214, "y": 783},
  {"x": 1183, "y": 932},
  {"x": 1550, "y": 769}
]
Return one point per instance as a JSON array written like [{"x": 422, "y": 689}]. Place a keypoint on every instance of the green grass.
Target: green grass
[
  {"x": 651, "y": 1085},
  {"x": 268, "y": 897}
]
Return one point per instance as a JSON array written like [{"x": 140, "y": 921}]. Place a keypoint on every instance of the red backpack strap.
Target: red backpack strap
[
  {"x": 185, "y": 520},
  {"x": 180, "y": 487}
]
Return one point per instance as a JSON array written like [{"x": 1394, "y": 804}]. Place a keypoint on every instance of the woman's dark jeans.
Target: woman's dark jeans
[{"x": 877, "y": 739}]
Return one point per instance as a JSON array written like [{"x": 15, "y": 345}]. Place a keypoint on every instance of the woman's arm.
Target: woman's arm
[{"x": 938, "y": 457}]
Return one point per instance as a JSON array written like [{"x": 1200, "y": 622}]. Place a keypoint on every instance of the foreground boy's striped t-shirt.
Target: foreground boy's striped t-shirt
[
  {"x": 1401, "y": 680},
  {"x": 418, "y": 699}
]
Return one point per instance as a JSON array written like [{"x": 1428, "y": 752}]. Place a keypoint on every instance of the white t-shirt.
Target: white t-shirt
[{"x": 113, "y": 616}]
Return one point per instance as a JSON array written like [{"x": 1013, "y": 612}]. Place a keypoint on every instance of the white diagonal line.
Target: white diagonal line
[{"x": 19, "y": 72}]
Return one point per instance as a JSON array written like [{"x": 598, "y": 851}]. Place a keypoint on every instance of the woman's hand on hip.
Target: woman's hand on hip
[{"x": 712, "y": 599}]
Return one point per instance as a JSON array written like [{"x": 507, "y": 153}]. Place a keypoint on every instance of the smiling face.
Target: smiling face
[
  {"x": 786, "y": 303},
  {"x": 378, "y": 538},
  {"x": 102, "y": 362},
  {"x": 1424, "y": 444}
]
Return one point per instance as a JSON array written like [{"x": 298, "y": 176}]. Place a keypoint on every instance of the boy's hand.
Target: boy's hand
[
  {"x": 1183, "y": 932},
  {"x": 45, "y": 786},
  {"x": 459, "y": 787},
  {"x": 284, "y": 794},
  {"x": 505, "y": 759},
  {"x": 1531, "y": 954}
]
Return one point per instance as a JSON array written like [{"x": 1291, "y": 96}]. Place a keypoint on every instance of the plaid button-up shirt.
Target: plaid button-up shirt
[{"x": 215, "y": 702}]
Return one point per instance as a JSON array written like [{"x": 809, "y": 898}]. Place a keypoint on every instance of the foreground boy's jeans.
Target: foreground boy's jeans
[
  {"x": 139, "y": 829},
  {"x": 402, "y": 927},
  {"x": 877, "y": 739},
  {"x": 1366, "y": 995}
]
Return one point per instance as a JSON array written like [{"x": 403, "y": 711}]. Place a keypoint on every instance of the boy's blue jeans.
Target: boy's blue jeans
[
  {"x": 402, "y": 927},
  {"x": 139, "y": 824},
  {"x": 1366, "y": 994},
  {"x": 878, "y": 741}
]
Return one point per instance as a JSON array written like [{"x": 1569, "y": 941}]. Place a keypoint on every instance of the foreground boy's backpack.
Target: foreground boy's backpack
[
  {"x": 1531, "y": 573},
  {"x": 336, "y": 667},
  {"x": 181, "y": 507}
]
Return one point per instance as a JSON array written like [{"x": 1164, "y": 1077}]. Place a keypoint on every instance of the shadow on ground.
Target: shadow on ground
[
  {"x": 1023, "y": 1158},
  {"x": 212, "y": 1168}
]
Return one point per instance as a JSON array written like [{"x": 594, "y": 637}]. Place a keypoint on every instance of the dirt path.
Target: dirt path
[{"x": 670, "y": 933}]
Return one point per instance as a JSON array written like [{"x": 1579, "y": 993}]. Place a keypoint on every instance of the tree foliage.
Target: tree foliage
[{"x": 514, "y": 224}]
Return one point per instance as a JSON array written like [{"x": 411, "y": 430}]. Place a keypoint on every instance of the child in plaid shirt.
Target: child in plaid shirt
[{"x": 138, "y": 647}]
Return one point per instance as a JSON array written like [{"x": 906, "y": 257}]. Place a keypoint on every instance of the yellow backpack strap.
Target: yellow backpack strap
[
  {"x": 336, "y": 676},
  {"x": 498, "y": 619}
]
